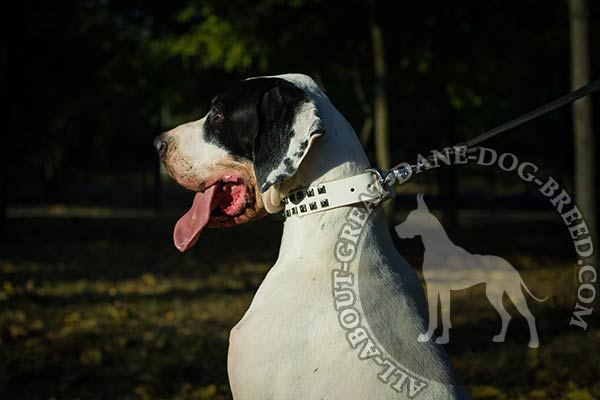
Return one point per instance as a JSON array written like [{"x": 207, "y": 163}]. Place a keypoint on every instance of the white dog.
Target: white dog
[{"x": 259, "y": 142}]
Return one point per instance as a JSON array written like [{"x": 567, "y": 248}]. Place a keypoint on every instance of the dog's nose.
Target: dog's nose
[{"x": 160, "y": 145}]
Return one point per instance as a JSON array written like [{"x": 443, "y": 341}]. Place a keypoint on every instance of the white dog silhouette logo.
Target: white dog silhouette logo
[{"x": 447, "y": 267}]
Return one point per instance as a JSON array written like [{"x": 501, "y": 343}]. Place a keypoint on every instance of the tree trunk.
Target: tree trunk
[
  {"x": 367, "y": 128},
  {"x": 584, "y": 146},
  {"x": 380, "y": 109},
  {"x": 380, "y": 102}
]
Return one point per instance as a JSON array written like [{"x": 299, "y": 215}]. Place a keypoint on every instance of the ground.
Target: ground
[{"x": 104, "y": 307}]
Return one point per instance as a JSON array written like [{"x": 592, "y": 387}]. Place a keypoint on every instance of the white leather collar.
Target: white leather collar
[{"x": 334, "y": 194}]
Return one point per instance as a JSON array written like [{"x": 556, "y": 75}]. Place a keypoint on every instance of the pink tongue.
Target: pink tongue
[{"x": 188, "y": 228}]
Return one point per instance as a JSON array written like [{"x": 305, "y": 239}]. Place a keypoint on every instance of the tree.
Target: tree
[
  {"x": 381, "y": 102},
  {"x": 584, "y": 146}
]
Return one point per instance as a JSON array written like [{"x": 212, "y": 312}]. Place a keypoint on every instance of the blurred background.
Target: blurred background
[{"x": 95, "y": 302}]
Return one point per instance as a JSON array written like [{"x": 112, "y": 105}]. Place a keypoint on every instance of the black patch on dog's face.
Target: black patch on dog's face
[
  {"x": 254, "y": 121},
  {"x": 234, "y": 118}
]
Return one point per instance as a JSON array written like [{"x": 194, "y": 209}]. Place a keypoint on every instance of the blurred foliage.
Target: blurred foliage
[
  {"x": 211, "y": 40},
  {"x": 90, "y": 83}
]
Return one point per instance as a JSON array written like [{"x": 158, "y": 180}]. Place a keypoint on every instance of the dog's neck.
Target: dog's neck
[
  {"x": 432, "y": 232},
  {"x": 337, "y": 154}
]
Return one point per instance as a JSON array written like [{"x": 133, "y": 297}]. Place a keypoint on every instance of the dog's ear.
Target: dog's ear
[
  {"x": 289, "y": 122},
  {"x": 421, "y": 202}
]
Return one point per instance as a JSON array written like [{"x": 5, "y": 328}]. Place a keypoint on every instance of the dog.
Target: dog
[
  {"x": 448, "y": 267},
  {"x": 261, "y": 140}
]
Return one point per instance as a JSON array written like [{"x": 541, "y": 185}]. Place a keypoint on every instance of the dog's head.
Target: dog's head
[
  {"x": 253, "y": 138},
  {"x": 418, "y": 221}
]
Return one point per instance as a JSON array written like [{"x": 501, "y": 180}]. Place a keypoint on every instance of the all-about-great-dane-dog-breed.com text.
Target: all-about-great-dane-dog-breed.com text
[{"x": 259, "y": 142}]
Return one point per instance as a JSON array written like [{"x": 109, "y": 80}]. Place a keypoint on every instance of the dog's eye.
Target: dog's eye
[
  {"x": 217, "y": 115},
  {"x": 216, "y": 109}
]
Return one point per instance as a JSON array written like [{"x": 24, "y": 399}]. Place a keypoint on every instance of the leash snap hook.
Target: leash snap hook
[
  {"x": 385, "y": 180},
  {"x": 383, "y": 177}
]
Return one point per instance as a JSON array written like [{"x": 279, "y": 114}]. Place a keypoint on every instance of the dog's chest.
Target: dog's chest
[
  {"x": 290, "y": 301},
  {"x": 288, "y": 337}
]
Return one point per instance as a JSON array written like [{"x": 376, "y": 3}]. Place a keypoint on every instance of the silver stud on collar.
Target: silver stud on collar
[{"x": 326, "y": 196}]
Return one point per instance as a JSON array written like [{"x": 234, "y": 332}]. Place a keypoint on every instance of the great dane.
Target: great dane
[
  {"x": 260, "y": 141},
  {"x": 448, "y": 267}
]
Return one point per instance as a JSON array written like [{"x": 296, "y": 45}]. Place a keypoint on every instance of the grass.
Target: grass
[{"x": 106, "y": 308}]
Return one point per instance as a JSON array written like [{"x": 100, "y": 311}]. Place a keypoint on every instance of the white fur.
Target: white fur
[
  {"x": 289, "y": 344},
  {"x": 195, "y": 156}
]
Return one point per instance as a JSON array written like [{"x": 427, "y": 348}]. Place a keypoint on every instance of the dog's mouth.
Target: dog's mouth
[{"x": 220, "y": 204}]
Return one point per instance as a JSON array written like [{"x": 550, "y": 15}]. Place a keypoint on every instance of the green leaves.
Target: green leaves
[
  {"x": 215, "y": 44},
  {"x": 210, "y": 41}
]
